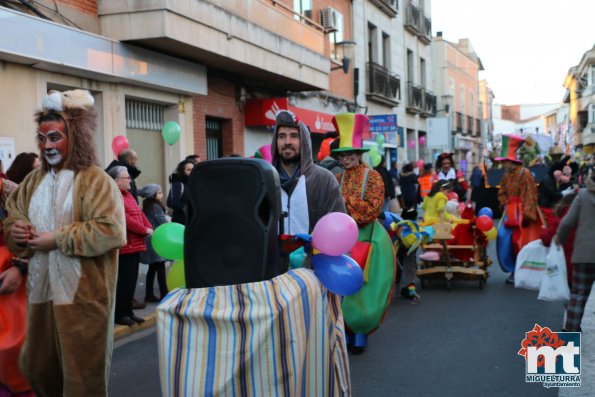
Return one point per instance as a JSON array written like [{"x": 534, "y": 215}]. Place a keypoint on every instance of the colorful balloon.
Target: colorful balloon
[
  {"x": 119, "y": 143},
  {"x": 491, "y": 234},
  {"x": 380, "y": 140},
  {"x": 422, "y": 140},
  {"x": 411, "y": 144},
  {"x": 484, "y": 223},
  {"x": 335, "y": 234},
  {"x": 487, "y": 211},
  {"x": 296, "y": 258},
  {"x": 339, "y": 274},
  {"x": 375, "y": 159},
  {"x": 168, "y": 240},
  {"x": 171, "y": 132},
  {"x": 176, "y": 277},
  {"x": 264, "y": 152}
]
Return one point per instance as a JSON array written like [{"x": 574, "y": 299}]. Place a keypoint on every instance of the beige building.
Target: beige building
[
  {"x": 580, "y": 97},
  {"x": 456, "y": 84}
]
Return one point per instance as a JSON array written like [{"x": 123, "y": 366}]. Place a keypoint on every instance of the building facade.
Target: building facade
[{"x": 580, "y": 98}]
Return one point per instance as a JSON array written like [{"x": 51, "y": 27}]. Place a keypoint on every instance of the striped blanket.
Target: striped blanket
[{"x": 282, "y": 337}]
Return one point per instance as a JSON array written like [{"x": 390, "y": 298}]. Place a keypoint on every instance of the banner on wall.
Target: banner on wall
[
  {"x": 262, "y": 112},
  {"x": 385, "y": 124}
]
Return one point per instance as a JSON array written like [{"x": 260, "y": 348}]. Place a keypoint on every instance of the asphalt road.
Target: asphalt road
[{"x": 462, "y": 342}]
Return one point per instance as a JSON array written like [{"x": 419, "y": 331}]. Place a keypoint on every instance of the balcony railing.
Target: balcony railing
[
  {"x": 429, "y": 103},
  {"x": 459, "y": 120},
  {"x": 417, "y": 23},
  {"x": 389, "y": 7},
  {"x": 383, "y": 85},
  {"x": 414, "y": 98},
  {"x": 469, "y": 125}
]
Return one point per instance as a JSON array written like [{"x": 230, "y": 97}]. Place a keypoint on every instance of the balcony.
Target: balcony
[
  {"x": 260, "y": 40},
  {"x": 414, "y": 98},
  {"x": 383, "y": 86},
  {"x": 469, "y": 125},
  {"x": 389, "y": 7},
  {"x": 429, "y": 104},
  {"x": 459, "y": 120},
  {"x": 417, "y": 23}
]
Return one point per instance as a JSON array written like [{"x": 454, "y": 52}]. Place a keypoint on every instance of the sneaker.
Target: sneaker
[{"x": 510, "y": 279}]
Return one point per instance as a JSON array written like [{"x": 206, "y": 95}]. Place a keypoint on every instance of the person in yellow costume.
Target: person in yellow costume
[{"x": 434, "y": 205}]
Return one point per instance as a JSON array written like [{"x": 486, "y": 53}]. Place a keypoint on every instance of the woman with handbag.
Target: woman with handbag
[{"x": 581, "y": 216}]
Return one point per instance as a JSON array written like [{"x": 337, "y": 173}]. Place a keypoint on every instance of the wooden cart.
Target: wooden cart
[{"x": 449, "y": 268}]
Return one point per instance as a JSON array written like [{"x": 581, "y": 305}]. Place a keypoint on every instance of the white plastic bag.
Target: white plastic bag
[
  {"x": 554, "y": 286},
  {"x": 530, "y": 265}
]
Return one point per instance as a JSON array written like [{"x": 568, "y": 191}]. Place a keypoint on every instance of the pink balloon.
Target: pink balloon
[
  {"x": 420, "y": 164},
  {"x": 411, "y": 144},
  {"x": 335, "y": 234},
  {"x": 119, "y": 143},
  {"x": 265, "y": 152},
  {"x": 422, "y": 140}
]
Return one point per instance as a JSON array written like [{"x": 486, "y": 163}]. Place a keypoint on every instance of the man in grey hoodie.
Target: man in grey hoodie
[
  {"x": 308, "y": 191},
  {"x": 581, "y": 216}
]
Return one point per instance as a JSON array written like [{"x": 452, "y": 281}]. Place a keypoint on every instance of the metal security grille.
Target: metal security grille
[
  {"x": 214, "y": 139},
  {"x": 144, "y": 115}
]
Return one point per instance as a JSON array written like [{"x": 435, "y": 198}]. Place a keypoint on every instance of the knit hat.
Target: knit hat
[
  {"x": 351, "y": 128},
  {"x": 510, "y": 146},
  {"x": 149, "y": 190}
]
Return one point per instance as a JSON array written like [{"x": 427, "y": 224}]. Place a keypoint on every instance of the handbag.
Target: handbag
[
  {"x": 530, "y": 266},
  {"x": 554, "y": 285}
]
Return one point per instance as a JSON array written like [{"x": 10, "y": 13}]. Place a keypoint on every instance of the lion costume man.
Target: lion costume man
[{"x": 68, "y": 219}]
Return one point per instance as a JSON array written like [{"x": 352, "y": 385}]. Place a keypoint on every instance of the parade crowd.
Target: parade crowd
[{"x": 74, "y": 234}]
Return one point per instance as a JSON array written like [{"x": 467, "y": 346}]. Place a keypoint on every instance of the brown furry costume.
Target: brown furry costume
[{"x": 69, "y": 336}]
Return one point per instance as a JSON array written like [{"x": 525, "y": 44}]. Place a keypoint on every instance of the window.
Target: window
[
  {"x": 372, "y": 50},
  {"x": 422, "y": 72},
  {"x": 471, "y": 104},
  {"x": 386, "y": 50},
  {"x": 214, "y": 139},
  {"x": 303, "y": 7},
  {"x": 451, "y": 86},
  {"x": 462, "y": 99},
  {"x": 410, "y": 72}
]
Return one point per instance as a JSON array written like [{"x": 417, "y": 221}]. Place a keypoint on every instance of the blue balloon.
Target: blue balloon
[
  {"x": 486, "y": 211},
  {"x": 339, "y": 274}
]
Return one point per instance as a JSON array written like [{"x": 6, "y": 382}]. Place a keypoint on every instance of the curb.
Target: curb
[{"x": 120, "y": 331}]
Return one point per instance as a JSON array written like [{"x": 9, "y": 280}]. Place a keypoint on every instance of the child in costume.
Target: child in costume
[{"x": 434, "y": 205}]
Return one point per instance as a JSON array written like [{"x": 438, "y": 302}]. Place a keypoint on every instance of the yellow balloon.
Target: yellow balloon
[
  {"x": 176, "y": 278},
  {"x": 491, "y": 234}
]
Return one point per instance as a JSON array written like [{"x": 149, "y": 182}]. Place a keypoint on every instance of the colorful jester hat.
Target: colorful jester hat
[
  {"x": 351, "y": 128},
  {"x": 510, "y": 146}
]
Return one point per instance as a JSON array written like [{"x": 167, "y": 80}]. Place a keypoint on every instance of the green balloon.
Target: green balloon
[
  {"x": 168, "y": 241},
  {"x": 373, "y": 151},
  {"x": 376, "y": 159},
  {"x": 176, "y": 278},
  {"x": 380, "y": 139},
  {"x": 171, "y": 132}
]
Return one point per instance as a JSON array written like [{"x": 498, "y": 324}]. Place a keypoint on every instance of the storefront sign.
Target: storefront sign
[{"x": 261, "y": 112}]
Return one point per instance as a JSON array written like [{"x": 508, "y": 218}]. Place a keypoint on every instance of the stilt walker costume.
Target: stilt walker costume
[
  {"x": 518, "y": 194},
  {"x": 68, "y": 219},
  {"x": 363, "y": 191}
]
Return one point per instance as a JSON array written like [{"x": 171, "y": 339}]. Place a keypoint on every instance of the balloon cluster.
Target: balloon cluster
[
  {"x": 485, "y": 223},
  {"x": 168, "y": 242},
  {"x": 406, "y": 232},
  {"x": 170, "y": 132},
  {"x": 374, "y": 153},
  {"x": 334, "y": 235}
]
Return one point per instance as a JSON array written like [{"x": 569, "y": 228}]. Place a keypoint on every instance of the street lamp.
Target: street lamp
[
  {"x": 446, "y": 99},
  {"x": 344, "y": 50}
]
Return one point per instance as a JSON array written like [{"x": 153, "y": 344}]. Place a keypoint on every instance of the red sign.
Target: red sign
[{"x": 261, "y": 112}]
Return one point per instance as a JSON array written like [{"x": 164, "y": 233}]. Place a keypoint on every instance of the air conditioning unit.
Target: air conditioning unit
[
  {"x": 328, "y": 19},
  {"x": 308, "y": 14}
]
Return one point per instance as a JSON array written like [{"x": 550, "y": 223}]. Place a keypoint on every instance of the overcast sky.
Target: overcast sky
[{"x": 526, "y": 46}]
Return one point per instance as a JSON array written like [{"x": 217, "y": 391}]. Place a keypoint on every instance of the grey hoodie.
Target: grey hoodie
[
  {"x": 581, "y": 216},
  {"x": 323, "y": 193}
]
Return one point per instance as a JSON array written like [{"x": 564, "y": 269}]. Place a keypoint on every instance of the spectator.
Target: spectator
[
  {"x": 128, "y": 158},
  {"x": 409, "y": 191},
  {"x": 389, "y": 187},
  {"x": 177, "y": 198},
  {"x": 22, "y": 165},
  {"x": 137, "y": 228}
]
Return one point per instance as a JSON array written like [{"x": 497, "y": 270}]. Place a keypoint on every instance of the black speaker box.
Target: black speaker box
[{"x": 232, "y": 235}]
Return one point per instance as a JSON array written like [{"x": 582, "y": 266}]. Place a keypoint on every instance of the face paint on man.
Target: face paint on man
[{"x": 53, "y": 142}]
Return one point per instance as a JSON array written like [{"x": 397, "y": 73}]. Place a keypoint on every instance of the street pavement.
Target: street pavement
[{"x": 462, "y": 342}]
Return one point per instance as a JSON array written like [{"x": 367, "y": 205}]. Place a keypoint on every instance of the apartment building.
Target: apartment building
[
  {"x": 580, "y": 97},
  {"x": 456, "y": 70}
]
